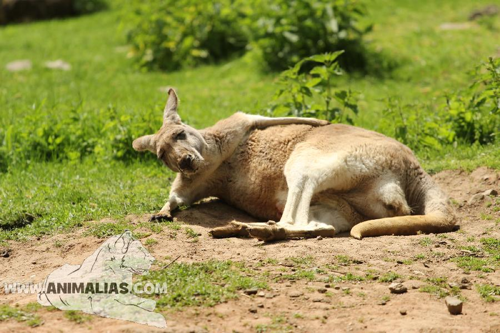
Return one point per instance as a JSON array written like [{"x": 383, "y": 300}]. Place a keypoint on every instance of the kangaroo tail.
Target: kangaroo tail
[
  {"x": 404, "y": 225},
  {"x": 434, "y": 213}
]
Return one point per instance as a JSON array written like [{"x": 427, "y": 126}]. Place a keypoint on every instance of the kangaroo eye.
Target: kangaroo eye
[{"x": 180, "y": 136}]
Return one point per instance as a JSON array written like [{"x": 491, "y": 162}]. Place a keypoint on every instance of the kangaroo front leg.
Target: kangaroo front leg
[
  {"x": 180, "y": 195},
  {"x": 295, "y": 188},
  {"x": 300, "y": 192}
]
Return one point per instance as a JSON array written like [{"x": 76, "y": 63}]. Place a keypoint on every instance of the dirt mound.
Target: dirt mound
[{"x": 356, "y": 299}]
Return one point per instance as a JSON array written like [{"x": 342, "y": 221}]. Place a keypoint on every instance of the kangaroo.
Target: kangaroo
[{"x": 313, "y": 177}]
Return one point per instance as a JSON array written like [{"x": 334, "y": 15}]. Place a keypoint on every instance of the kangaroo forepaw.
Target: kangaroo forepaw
[{"x": 161, "y": 217}]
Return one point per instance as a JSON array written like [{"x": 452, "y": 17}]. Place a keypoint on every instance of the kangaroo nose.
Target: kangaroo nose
[{"x": 186, "y": 162}]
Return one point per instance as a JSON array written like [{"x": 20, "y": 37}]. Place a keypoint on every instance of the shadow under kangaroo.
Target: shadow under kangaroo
[{"x": 314, "y": 178}]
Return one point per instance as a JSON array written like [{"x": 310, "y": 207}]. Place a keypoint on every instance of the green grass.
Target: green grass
[
  {"x": 77, "y": 316},
  {"x": 347, "y": 277},
  {"x": 488, "y": 264},
  {"x": 389, "y": 277},
  {"x": 438, "y": 286},
  {"x": 488, "y": 292},
  {"x": 26, "y": 316},
  {"x": 66, "y": 135},
  {"x": 434, "y": 290},
  {"x": 426, "y": 241},
  {"x": 61, "y": 197},
  {"x": 300, "y": 274},
  {"x": 202, "y": 284}
]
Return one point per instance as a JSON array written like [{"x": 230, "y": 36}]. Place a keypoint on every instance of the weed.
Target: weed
[
  {"x": 191, "y": 233},
  {"x": 299, "y": 275},
  {"x": 426, "y": 241},
  {"x": 347, "y": 277},
  {"x": 7, "y": 312},
  {"x": 435, "y": 290},
  {"x": 488, "y": 292},
  {"x": 77, "y": 316},
  {"x": 303, "y": 262},
  {"x": 473, "y": 264},
  {"x": 150, "y": 242},
  {"x": 389, "y": 277}
]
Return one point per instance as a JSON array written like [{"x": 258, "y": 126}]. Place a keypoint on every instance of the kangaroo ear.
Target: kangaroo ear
[
  {"x": 170, "y": 115},
  {"x": 146, "y": 142}
]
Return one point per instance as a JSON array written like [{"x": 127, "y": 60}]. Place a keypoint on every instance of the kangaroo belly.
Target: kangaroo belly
[{"x": 257, "y": 183}]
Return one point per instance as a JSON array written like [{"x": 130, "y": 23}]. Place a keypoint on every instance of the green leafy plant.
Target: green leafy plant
[
  {"x": 286, "y": 31},
  {"x": 470, "y": 116},
  {"x": 416, "y": 125},
  {"x": 171, "y": 34},
  {"x": 310, "y": 92},
  {"x": 475, "y": 112}
]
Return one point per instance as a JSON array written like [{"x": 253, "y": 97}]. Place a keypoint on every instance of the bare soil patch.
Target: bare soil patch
[{"x": 303, "y": 305}]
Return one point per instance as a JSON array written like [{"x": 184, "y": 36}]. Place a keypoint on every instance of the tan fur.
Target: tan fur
[{"x": 313, "y": 179}]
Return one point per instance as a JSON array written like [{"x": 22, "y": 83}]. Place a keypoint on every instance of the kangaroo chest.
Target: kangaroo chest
[{"x": 253, "y": 178}]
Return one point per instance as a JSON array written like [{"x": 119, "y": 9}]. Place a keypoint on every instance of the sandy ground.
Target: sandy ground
[{"x": 356, "y": 310}]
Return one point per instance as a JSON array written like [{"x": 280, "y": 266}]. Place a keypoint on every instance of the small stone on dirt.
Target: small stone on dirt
[
  {"x": 295, "y": 293},
  {"x": 455, "y": 26},
  {"x": 337, "y": 287},
  {"x": 5, "y": 253},
  {"x": 19, "y": 65},
  {"x": 328, "y": 285},
  {"x": 464, "y": 280},
  {"x": 260, "y": 305},
  {"x": 322, "y": 290},
  {"x": 476, "y": 198},
  {"x": 251, "y": 291},
  {"x": 454, "y": 305},
  {"x": 319, "y": 238},
  {"x": 382, "y": 302},
  {"x": 317, "y": 299},
  {"x": 261, "y": 294},
  {"x": 397, "y": 288},
  {"x": 403, "y": 312},
  {"x": 490, "y": 192},
  {"x": 58, "y": 64},
  {"x": 253, "y": 309},
  {"x": 34, "y": 262}
]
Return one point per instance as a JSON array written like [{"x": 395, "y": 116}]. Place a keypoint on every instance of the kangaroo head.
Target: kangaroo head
[{"x": 179, "y": 146}]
